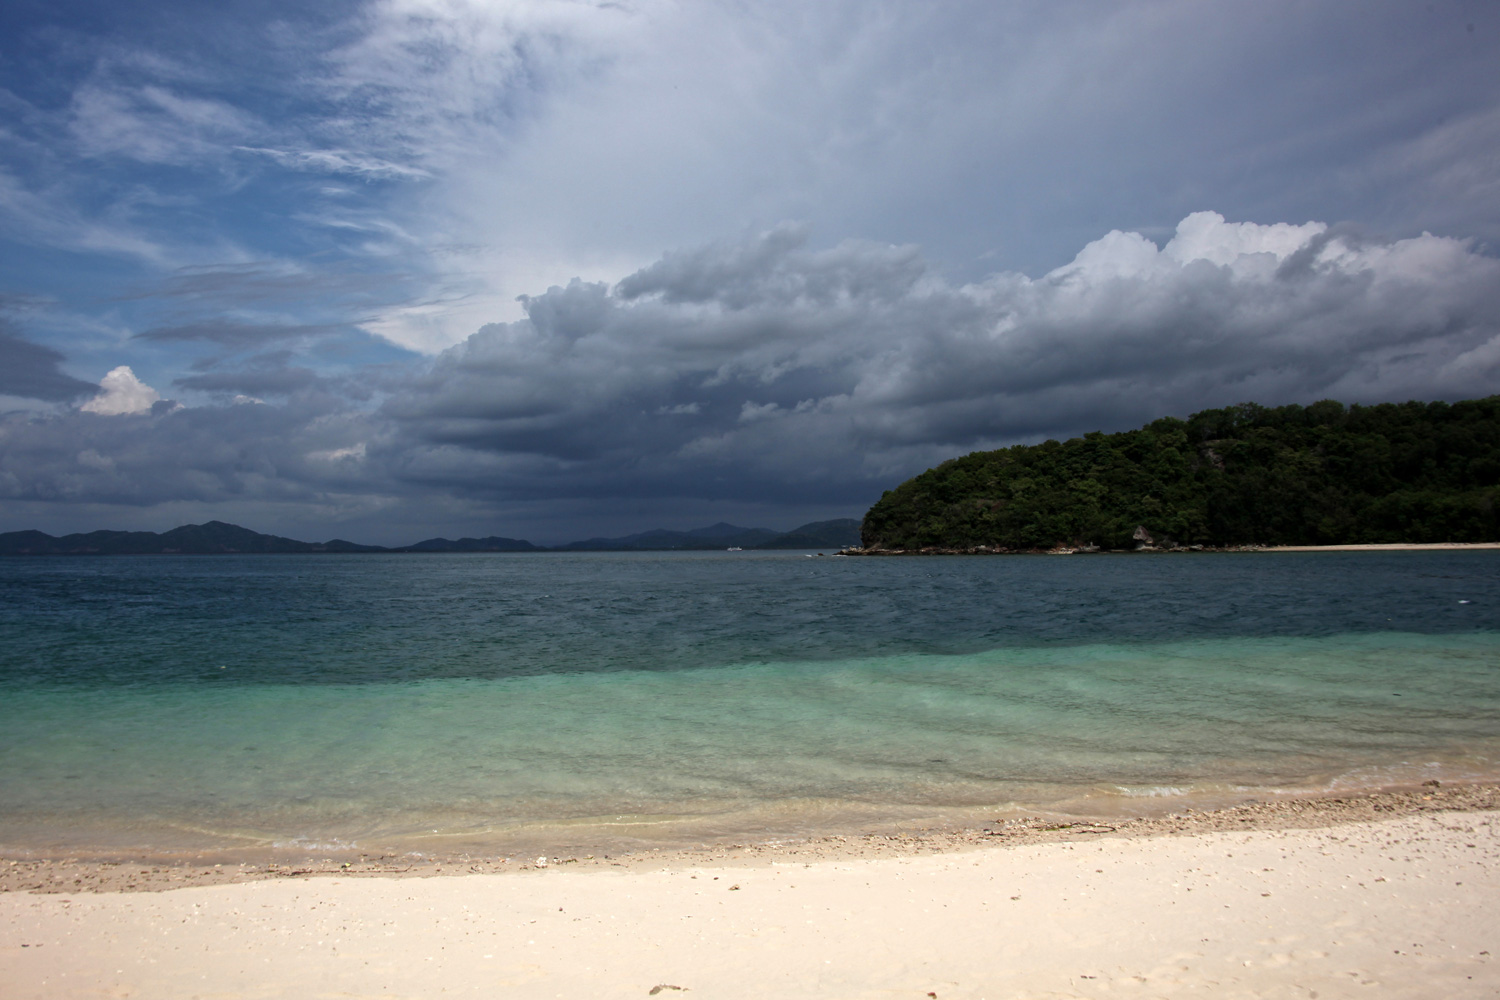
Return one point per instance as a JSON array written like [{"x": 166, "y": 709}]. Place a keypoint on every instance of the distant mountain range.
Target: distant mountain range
[
  {"x": 213, "y": 537},
  {"x": 216, "y": 537}
]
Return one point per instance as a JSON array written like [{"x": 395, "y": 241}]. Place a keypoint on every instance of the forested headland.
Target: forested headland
[{"x": 1324, "y": 474}]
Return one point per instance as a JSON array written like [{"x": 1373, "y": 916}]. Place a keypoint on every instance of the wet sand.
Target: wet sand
[
  {"x": 155, "y": 873},
  {"x": 1395, "y": 893}
]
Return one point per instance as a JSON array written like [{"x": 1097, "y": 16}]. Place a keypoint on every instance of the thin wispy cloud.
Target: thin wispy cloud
[{"x": 338, "y": 161}]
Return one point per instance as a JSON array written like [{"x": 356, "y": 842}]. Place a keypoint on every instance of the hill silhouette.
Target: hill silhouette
[{"x": 220, "y": 538}]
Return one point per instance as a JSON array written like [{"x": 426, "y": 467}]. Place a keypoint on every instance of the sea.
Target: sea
[{"x": 488, "y": 704}]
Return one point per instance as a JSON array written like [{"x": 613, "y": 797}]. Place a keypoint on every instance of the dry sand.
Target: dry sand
[{"x": 1265, "y": 900}]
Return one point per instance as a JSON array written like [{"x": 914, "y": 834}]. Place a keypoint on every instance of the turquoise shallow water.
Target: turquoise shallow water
[{"x": 442, "y": 704}]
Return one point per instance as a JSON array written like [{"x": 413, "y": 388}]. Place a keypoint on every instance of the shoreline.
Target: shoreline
[
  {"x": 1393, "y": 894},
  {"x": 124, "y": 872},
  {"x": 1385, "y": 547},
  {"x": 1063, "y": 550}
]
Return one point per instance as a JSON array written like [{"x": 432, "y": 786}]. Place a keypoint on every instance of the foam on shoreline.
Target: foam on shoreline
[{"x": 157, "y": 871}]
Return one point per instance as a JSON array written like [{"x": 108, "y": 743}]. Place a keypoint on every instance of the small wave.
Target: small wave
[
  {"x": 1153, "y": 792},
  {"x": 306, "y": 844},
  {"x": 1471, "y": 766}
]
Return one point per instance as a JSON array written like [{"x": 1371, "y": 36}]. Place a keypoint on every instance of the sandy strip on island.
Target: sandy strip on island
[
  {"x": 1383, "y": 547},
  {"x": 1265, "y": 900}
]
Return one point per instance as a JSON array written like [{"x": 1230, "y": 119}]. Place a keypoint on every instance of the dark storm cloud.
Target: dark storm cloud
[
  {"x": 771, "y": 369},
  {"x": 767, "y": 372},
  {"x": 236, "y": 335},
  {"x": 248, "y": 307},
  {"x": 279, "y": 380},
  {"x": 262, "y": 283},
  {"x": 31, "y": 370},
  {"x": 211, "y": 454}
]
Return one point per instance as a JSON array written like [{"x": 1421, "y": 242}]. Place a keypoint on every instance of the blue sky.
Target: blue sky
[{"x": 384, "y": 270}]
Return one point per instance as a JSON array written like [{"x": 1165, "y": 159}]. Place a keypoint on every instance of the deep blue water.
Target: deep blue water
[{"x": 476, "y": 701}]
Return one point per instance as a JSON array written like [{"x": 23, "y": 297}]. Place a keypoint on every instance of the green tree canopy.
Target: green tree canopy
[{"x": 1289, "y": 475}]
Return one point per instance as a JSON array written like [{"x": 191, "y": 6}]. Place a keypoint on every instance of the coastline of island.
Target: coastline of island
[
  {"x": 1242, "y": 478},
  {"x": 984, "y": 550}
]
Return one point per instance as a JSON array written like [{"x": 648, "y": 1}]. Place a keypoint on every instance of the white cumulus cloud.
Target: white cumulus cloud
[{"x": 122, "y": 394}]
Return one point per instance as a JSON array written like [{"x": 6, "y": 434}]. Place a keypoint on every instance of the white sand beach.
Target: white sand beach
[
  {"x": 1385, "y": 547},
  {"x": 1405, "y": 907}
]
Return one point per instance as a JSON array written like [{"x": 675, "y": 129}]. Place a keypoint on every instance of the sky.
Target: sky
[{"x": 390, "y": 269}]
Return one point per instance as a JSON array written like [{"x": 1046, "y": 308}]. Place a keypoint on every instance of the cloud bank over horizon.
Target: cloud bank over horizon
[
  {"x": 385, "y": 268},
  {"x": 804, "y": 379}
]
